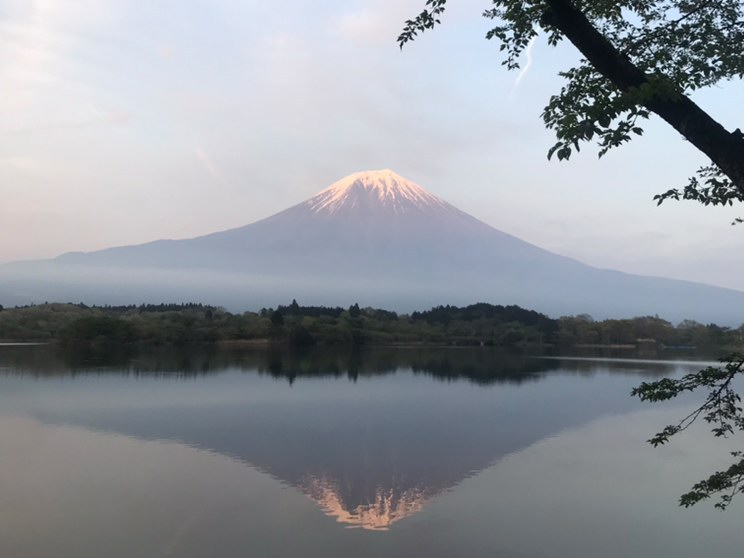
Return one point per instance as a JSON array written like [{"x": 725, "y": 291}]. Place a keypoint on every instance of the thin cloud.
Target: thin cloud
[
  {"x": 208, "y": 163},
  {"x": 528, "y": 63}
]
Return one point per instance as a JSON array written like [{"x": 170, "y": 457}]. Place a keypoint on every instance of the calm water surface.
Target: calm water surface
[{"x": 407, "y": 452}]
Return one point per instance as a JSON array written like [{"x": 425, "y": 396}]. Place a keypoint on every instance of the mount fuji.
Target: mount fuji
[{"x": 374, "y": 238}]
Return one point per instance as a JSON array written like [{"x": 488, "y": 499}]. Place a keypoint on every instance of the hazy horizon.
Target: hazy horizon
[
  {"x": 374, "y": 238},
  {"x": 153, "y": 240}
]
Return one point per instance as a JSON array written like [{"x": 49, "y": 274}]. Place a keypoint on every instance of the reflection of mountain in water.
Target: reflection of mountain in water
[
  {"x": 370, "y": 451},
  {"x": 376, "y": 512}
]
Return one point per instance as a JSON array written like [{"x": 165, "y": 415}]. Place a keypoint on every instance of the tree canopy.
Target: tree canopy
[{"x": 639, "y": 57}]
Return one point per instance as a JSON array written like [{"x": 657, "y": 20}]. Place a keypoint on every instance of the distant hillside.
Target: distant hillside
[{"x": 374, "y": 237}]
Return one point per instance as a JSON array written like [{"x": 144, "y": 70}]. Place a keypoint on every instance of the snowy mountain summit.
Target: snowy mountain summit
[
  {"x": 376, "y": 190},
  {"x": 373, "y": 237}
]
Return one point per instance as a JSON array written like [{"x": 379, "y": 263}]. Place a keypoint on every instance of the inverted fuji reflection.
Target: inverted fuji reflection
[
  {"x": 377, "y": 512},
  {"x": 369, "y": 452}
]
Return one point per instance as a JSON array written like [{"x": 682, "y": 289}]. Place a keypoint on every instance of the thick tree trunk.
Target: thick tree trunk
[{"x": 724, "y": 148}]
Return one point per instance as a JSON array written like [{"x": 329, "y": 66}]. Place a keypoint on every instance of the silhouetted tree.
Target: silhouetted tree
[
  {"x": 354, "y": 310},
  {"x": 277, "y": 318}
]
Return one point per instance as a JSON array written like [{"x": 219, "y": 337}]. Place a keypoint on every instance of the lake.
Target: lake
[{"x": 386, "y": 452}]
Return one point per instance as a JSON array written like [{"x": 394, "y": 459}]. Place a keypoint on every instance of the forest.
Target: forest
[{"x": 296, "y": 325}]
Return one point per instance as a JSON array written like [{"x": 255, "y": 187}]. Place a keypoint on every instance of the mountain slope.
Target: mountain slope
[
  {"x": 372, "y": 237},
  {"x": 366, "y": 218}
]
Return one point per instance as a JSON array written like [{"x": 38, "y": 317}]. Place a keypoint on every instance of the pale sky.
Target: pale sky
[{"x": 125, "y": 121}]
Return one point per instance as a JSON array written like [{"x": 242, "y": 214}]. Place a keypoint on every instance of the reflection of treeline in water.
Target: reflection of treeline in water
[
  {"x": 479, "y": 365},
  {"x": 296, "y": 325}
]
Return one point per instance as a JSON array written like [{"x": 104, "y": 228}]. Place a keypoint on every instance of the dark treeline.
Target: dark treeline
[
  {"x": 296, "y": 325},
  {"x": 583, "y": 330},
  {"x": 295, "y": 309},
  {"x": 481, "y": 310}
]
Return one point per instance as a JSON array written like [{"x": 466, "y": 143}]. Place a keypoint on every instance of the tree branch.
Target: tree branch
[{"x": 724, "y": 148}]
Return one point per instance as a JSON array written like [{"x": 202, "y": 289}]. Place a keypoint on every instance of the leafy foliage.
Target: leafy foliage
[
  {"x": 649, "y": 331},
  {"x": 99, "y": 328},
  {"x": 709, "y": 187},
  {"x": 721, "y": 408},
  {"x": 427, "y": 19}
]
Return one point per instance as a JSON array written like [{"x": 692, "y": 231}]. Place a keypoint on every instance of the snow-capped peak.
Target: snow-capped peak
[{"x": 382, "y": 186}]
